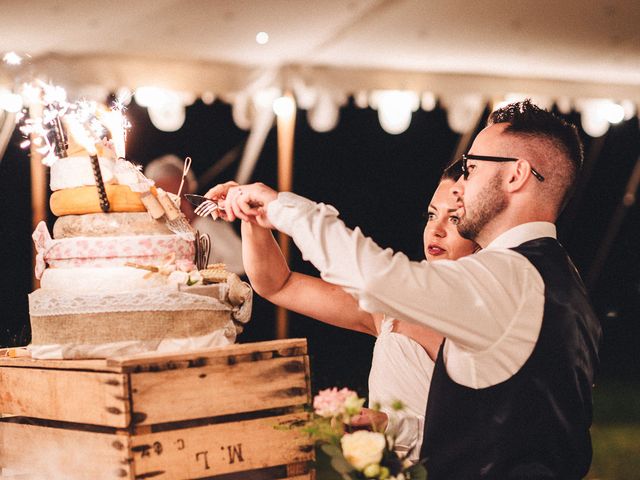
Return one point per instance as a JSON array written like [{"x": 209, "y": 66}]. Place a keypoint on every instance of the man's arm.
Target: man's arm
[{"x": 472, "y": 301}]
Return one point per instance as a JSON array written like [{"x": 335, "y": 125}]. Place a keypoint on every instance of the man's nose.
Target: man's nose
[{"x": 457, "y": 190}]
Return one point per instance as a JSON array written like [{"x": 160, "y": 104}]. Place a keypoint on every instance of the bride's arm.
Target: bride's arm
[{"x": 272, "y": 279}]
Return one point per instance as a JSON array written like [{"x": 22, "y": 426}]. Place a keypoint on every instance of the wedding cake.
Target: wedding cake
[{"x": 118, "y": 277}]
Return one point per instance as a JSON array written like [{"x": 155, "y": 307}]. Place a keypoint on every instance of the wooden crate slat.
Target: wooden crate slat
[
  {"x": 201, "y": 452},
  {"x": 287, "y": 347},
  {"x": 175, "y": 395},
  {"x": 71, "y": 396},
  {"x": 96, "y": 365},
  {"x": 60, "y": 453}
]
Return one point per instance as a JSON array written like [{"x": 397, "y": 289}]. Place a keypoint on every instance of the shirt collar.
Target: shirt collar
[{"x": 523, "y": 233}]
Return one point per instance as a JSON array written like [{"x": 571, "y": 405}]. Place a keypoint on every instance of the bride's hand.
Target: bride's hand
[
  {"x": 246, "y": 202},
  {"x": 370, "y": 419}
]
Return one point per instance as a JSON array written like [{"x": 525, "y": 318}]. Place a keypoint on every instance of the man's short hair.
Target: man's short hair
[{"x": 527, "y": 120}]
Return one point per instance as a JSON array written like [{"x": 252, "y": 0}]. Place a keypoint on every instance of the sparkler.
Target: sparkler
[
  {"x": 117, "y": 124},
  {"x": 46, "y": 132},
  {"x": 83, "y": 126}
]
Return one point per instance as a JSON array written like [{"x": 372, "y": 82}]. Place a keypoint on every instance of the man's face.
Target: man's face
[{"x": 481, "y": 196}]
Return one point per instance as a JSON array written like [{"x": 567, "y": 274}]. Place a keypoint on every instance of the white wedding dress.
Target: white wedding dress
[{"x": 401, "y": 370}]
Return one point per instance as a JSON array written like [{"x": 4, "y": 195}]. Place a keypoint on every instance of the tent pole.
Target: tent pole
[
  {"x": 465, "y": 140},
  {"x": 286, "y": 122},
  {"x": 38, "y": 189}
]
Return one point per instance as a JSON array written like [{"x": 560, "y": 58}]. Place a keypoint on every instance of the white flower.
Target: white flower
[
  {"x": 194, "y": 277},
  {"x": 363, "y": 448},
  {"x": 178, "y": 277}
]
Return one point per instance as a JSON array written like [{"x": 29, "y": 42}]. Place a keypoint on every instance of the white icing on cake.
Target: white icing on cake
[
  {"x": 71, "y": 172},
  {"x": 88, "y": 280},
  {"x": 100, "y": 280}
]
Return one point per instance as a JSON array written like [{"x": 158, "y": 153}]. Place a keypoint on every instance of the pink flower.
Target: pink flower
[{"x": 331, "y": 402}]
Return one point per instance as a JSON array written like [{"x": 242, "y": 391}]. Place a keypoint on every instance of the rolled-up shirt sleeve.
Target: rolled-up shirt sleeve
[{"x": 470, "y": 301}]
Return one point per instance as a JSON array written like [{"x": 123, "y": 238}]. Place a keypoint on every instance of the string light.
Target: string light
[
  {"x": 12, "y": 58},
  {"x": 262, "y": 38}
]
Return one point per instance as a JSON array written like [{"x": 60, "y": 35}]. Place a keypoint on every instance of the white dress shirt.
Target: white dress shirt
[{"x": 489, "y": 305}]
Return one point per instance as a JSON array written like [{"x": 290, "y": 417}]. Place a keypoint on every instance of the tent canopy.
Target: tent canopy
[{"x": 492, "y": 47}]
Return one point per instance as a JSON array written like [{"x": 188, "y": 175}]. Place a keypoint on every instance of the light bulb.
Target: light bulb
[
  {"x": 12, "y": 58},
  {"x": 262, "y": 38},
  {"x": 284, "y": 106},
  {"x": 613, "y": 112},
  {"x": 395, "y": 108}
]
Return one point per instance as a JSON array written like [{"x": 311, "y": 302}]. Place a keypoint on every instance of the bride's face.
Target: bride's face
[{"x": 441, "y": 237}]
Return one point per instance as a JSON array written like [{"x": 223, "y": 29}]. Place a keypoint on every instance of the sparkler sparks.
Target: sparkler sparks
[{"x": 87, "y": 123}]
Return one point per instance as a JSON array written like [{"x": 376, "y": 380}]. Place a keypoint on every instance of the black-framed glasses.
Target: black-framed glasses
[{"x": 484, "y": 158}]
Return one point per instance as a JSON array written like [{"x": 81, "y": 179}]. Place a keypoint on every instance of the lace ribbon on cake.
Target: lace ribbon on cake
[{"x": 59, "y": 302}]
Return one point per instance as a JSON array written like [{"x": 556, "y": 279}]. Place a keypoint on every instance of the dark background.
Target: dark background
[{"x": 379, "y": 182}]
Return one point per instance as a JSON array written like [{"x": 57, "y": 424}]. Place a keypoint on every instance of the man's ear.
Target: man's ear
[{"x": 518, "y": 174}]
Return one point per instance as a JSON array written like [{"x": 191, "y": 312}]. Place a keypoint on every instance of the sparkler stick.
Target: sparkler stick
[
  {"x": 97, "y": 175},
  {"x": 60, "y": 143}
]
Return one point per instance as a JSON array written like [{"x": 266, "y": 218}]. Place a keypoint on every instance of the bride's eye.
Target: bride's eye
[
  {"x": 454, "y": 219},
  {"x": 429, "y": 216}
]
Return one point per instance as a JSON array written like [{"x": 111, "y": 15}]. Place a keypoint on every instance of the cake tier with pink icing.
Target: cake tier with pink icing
[{"x": 152, "y": 250}]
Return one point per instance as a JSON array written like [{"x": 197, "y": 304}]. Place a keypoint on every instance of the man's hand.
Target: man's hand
[
  {"x": 370, "y": 419},
  {"x": 246, "y": 202}
]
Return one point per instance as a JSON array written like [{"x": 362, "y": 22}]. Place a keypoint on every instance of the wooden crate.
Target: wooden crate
[{"x": 222, "y": 413}]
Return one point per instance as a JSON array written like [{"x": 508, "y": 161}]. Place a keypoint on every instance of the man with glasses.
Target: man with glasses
[{"x": 510, "y": 395}]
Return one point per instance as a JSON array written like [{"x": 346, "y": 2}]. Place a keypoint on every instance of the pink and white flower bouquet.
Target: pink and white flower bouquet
[{"x": 359, "y": 454}]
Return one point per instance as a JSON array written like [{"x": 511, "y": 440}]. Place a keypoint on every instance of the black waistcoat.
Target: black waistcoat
[{"x": 534, "y": 425}]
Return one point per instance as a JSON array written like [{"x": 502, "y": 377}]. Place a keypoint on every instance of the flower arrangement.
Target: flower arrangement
[{"x": 359, "y": 454}]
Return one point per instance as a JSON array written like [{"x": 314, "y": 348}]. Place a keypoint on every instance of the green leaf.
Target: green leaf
[
  {"x": 331, "y": 450},
  {"x": 417, "y": 472},
  {"x": 340, "y": 465}
]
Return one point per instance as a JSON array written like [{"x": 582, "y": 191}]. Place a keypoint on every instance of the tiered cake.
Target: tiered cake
[{"x": 120, "y": 282}]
